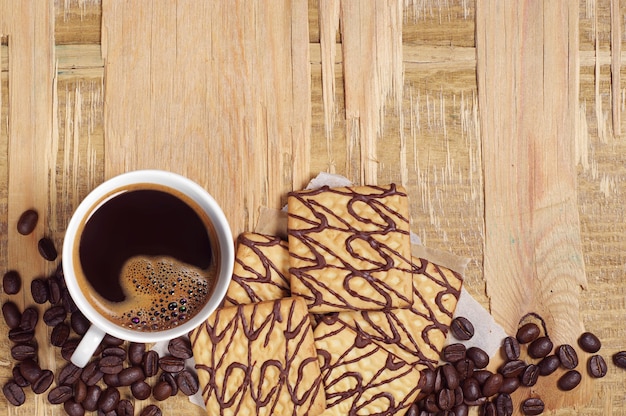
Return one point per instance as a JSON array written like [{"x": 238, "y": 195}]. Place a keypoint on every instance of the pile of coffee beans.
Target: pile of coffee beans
[
  {"x": 461, "y": 381},
  {"x": 119, "y": 372}
]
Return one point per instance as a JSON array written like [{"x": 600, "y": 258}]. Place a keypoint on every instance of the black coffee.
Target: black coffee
[{"x": 148, "y": 257}]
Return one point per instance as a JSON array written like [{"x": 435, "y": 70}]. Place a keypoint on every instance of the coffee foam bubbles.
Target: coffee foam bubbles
[{"x": 161, "y": 292}]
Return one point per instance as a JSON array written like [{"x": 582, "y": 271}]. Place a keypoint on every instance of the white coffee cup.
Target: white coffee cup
[{"x": 100, "y": 325}]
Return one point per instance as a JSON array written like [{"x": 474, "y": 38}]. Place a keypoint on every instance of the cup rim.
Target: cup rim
[{"x": 191, "y": 189}]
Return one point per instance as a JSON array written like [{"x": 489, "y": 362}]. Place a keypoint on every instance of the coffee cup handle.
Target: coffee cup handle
[{"x": 87, "y": 346}]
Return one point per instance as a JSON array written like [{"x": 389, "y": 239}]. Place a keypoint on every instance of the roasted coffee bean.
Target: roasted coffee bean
[
  {"x": 529, "y": 376},
  {"x": 130, "y": 375},
  {"x": 187, "y": 382},
  {"x": 12, "y": 315},
  {"x": 171, "y": 380},
  {"x": 39, "y": 290},
  {"x": 68, "y": 348},
  {"x": 162, "y": 390},
  {"x": 540, "y": 347},
  {"x": 54, "y": 315},
  {"x": 79, "y": 323},
  {"x": 150, "y": 363},
  {"x": 14, "y": 393},
  {"x": 569, "y": 380},
  {"x": 47, "y": 249},
  {"x": 488, "y": 409},
  {"x": 462, "y": 328},
  {"x": 509, "y": 385},
  {"x": 548, "y": 365},
  {"x": 111, "y": 380},
  {"x": 27, "y": 221},
  {"x": 171, "y": 364},
  {"x": 140, "y": 390},
  {"x": 151, "y": 410},
  {"x": 125, "y": 408},
  {"x": 29, "y": 320},
  {"x": 471, "y": 389},
  {"x": 43, "y": 382},
  {"x": 30, "y": 370},
  {"x": 180, "y": 347},
  {"x": 413, "y": 410},
  {"x": 454, "y": 352},
  {"x": 590, "y": 343},
  {"x": 465, "y": 368},
  {"x": 54, "y": 290},
  {"x": 112, "y": 341},
  {"x": 115, "y": 351},
  {"x": 445, "y": 399},
  {"x": 21, "y": 336},
  {"x": 512, "y": 368},
  {"x": 80, "y": 391},
  {"x": 511, "y": 348},
  {"x": 461, "y": 410},
  {"x": 482, "y": 375},
  {"x": 60, "y": 394},
  {"x": 111, "y": 364},
  {"x": 60, "y": 333},
  {"x": 18, "y": 377},
  {"x": 533, "y": 406},
  {"x": 73, "y": 409},
  {"x": 504, "y": 405},
  {"x": 109, "y": 399},
  {"x": 567, "y": 355},
  {"x": 450, "y": 376},
  {"x": 21, "y": 352},
  {"x": 427, "y": 381},
  {"x": 492, "y": 385},
  {"x": 69, "y": 374},
  {"x": 619, "y": 359},
  {"x": 478, "y": 356},
  {"x": 67, "y": 302},
  {"x": 430, "y": 403},
  {"x": 136, "y": 351},
  {"x": 596, "y": 366},
  {"x": 91, "y": 400},
  {"x": 527, "y": 333},
  {"x": 91, "y": 373},
  {"x": 11, "y": 282}
]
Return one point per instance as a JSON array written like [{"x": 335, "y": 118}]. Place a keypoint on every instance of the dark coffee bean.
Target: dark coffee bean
[
  {"x": 492, "y": 385},
  {"x": 125, "y": 408},
  {"x": 21, "y": 336},
  {"x": 60, "y": 394},
  {"x": 67, "y": 302},
  {"x": 54, "y": 290},
  {"x": 111, "y": 364},
  {"x": 465, "y": 368},
  {"x": 11, "y": 282},
  {"x": 450, "y": 376},
  {"x": 69, "y": 374},
  {"x": 567, "y": 355},
  {"x": 413, "y": 410},
  {"x": 79, "y": 323},
  {"x": 130, "y": 375},
  {"x": 471, "y": 389},
  {"x": 446, "y": 399},
  {"x": 30, "y": 370},
  {"x": 533, "y": 406},
  {"x": 91, "y": 373},
  {"x": 462, "y": 328},
  {"x": 80, "y": 391},
  {"x": 29, "y": 320},
  {"x": 151, "y": 410},
  {"x": 140, "y": 390},
  {"x": 527, "y": 333},
  {"x": 478, "y": 356},
  {"x": 73, "y": 409},
  {"x": 54, "y": 315},
  {"x": 509, "y": 385},
  {"x": 569, "y": 380},
  {"x": 482, "y": 376},
  {"x": 27, "y": 221},
  {"x": 512, "y": 368},
  {"x": 430, "y": 403},
  {"x": 548, "y": 365},
  {"x": 116, "y": 351},
  {"x": 530, "y": 375},
  {"x": 60, "y": 333},
  {"x": 187, "y": 382},
  {"x": 590, "y": 343},
  {"x": 454, "y": 352},
  {"x": 47, "y": 249},
  {"x": 171, "y": 364},
  {"x": 171, "y": 380},
  {"x": 39, "y": 290},
  {"x": 162, "y": 390},
  {"x": 91, "y": 400},
  {"x": 18, "y": 377},
  {"x": 68, "y": 348},
  {"x": 540, "y": 347},
  {"x": 427, "y": 381},
  {"x": 43, "y": 382},
  {"x": 14, "y": 393},
  {"x": 136, "y": 351},
  {"x": 109, "y": 399},
  {"x": 21, "y": 352},
  {"x": 488, "y": 409},
  {"x": 150, "y": 363},
  {"x": 596, "y": 366},
  {"x": 461, "y": 410},
  {"x": 504, "y": 405},
  {"x": 619, "y": 359},
  {"x": 111, "y": 380},
  {"x": 511, "y": 348},
  {"x": 12, "y": 315},
  {"x": 180, "y": 347},
  {"x": 111, "y": 341}
]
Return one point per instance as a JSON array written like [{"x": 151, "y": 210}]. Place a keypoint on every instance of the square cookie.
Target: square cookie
[
  {"x": 350, "y": 248},
  {"x": 259, "y": 359},
  {"x": 261, "y": 270}
]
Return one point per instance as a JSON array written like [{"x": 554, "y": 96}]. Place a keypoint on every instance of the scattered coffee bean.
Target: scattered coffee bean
[
  {"x": 187, "y": 382},
  {"x": 130, "y": 375},
  {"x": 12, "y": 315},
  {"x": 471, "y": 389},
  {"x": 21, "y": 352},
  {"x": 14, "y": 393},
  {"x": 462, "y": 328},
  {"x": 116, "y": 351},
  {"x": 151, "y": 410},
  {"x": 150, "y": 363},
  {"x": 171, "y": 380},
  {"x": 80, "y": 391},
  {"x": 68, "y": 348},
  {"x": 548, "y": 365},
  {"x": 47, "y": 249},
  {"x": 11, "y": 282},
  {"x": 445, "y": 399},
  {"x": 54, "y": 290},
  {"x": 454, "y": 352},
  {"x": 540, "y": 347},
  {"x": 619, "y": 359},
  {"x": 136, "y": 351},
  {"x": 79, "y": 323},
  {"x": 489, "y": 409},
  {"x": 73, "y": 409},
  {"x": 482, "y": 375},
  {"x": 112, "y": 341},
  {"x": 111, "y": 380},
  {"x": 533, "y": 406},
  {"x": 30, "y": 370},
  {"x": 492, "y": 385},
  {"x": 140, "y": 390},
  {"x": 69, "y": 374},
  {"x": 91, "y": 400},
  {"x": 509, "y": 385},
  {"x": 20, "y": 336},
  {"x": 511, "y": 348},
  {"x": 29, "y": 320},
  {"x": 109, "y": 399},
  {"x": 569, "y": 380},
  {"x": 91, "y": 373},
  {"x": 18, "y": 377},
  {"x": 27, "y": 222},
  {"x": 67, "y": 302},
  {"x": 39, "y": 290},
  {"x": 504, "y": 405},
  {"x": 60, "y": 394},
  {"x": 111, "y": 364},
  {"x": 567, "y": 355},
  {"x": 450, "y": 376},
  {"x": 479, "y": 357},
  {"x": 465, "y": 368},
  {"x": 125, "y": 408},
  {"x": 527, "y": 333},
  {"x": 530, "y": 375},
  {"x": 461, "y": 410},
  {"x": 60, "y": 333},
  {"x": 588, "y": 342},
  {"x": 512, "y": 368},
  {"x": 596, "y": 366},
  {"x": 54, "y": 315},
  {"x": 180, "y": 347},
  {"x": 43, "y": 382},
  {"x": 162, "y": 390},
  {"x": 173, "y": 364}
]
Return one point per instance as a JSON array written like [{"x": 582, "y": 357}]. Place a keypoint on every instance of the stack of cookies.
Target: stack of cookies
[{"x": 338, "y": 320}]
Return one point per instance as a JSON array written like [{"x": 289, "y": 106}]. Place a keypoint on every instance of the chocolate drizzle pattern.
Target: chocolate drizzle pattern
[
  {"x": 261, "y": 270},
  {"x": 259, "y": 359},
  {"x": 350, "y": 248}
]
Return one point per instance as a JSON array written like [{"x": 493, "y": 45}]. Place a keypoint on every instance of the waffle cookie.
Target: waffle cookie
[
  {"x": 350, "y": 248},
  {"x": 259, "y": 359},
  {"x": 261, "y": 270}
]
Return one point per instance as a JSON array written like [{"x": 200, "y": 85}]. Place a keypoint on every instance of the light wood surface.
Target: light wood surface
[{"x": 502, "y": 119}]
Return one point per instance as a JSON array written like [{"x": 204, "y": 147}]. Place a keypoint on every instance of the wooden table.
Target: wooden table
[{"x": 503, "y": 120}]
